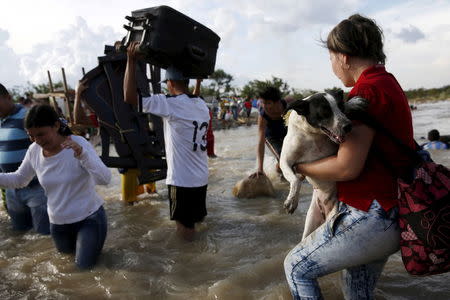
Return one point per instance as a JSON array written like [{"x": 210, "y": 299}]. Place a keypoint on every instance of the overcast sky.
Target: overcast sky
[{"x": 259, "y": 38}]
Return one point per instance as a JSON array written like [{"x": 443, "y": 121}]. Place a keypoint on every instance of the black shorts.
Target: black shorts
[{"x": 187, "y": 204}]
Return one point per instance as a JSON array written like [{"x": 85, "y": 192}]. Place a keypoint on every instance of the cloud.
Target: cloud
[
  {"x": 4, "y": 36},
  {"x": 9, "y": 71},
  {"x": 72, "y": 48},
  {"x": 425, "y": 62},
  {"x": 259, "y": 38},
  {"x": 225, "y": 24},
  {"x": 289, "y": 16},
  {"x": 410, "y": 34}
]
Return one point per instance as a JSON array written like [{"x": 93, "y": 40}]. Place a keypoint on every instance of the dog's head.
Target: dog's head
[{"x": 324, "y": 111}]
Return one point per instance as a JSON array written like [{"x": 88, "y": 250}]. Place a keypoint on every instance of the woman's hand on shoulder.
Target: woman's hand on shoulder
[{"x": 71, "y": 144}]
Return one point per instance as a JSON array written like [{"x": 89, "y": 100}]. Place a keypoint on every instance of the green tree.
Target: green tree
[
  {"x": 44, "y": 88},
  {"x": 204, "y": 90},
  {"x": 220, "y": 83},
  {"x": 253, "y": 88}
]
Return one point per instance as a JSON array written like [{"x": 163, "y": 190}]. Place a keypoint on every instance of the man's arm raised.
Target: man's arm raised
[{"x": 129, "y": 81}]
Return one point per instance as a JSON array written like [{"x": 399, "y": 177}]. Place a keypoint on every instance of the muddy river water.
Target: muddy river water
[{"x": 238, "y": 253}]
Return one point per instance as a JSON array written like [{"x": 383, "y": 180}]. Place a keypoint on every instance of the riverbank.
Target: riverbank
[
  {"x": 241, "y": 121},
  {"x": 427, "y": 100}
]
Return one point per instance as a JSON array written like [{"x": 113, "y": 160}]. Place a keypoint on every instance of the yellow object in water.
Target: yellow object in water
[{"x": 131, "y": 188}]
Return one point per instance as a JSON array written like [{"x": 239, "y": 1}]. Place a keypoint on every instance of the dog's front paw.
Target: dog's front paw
[{"x": 290, "y": 205}]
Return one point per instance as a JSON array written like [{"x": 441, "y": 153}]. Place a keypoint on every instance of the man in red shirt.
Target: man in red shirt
[{"x": 248, "y": 106}]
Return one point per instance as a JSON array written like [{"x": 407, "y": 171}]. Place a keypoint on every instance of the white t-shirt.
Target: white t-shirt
[
  {"x": 69, "y": 182},
  {"x": 186, "y": 120}
]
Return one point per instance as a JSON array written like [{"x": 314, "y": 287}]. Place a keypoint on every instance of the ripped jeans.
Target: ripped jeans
[{"x": 354, "y": 241}]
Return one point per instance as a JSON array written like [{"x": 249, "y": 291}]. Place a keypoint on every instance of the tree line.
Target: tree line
[{"x": 219, "y": 85}]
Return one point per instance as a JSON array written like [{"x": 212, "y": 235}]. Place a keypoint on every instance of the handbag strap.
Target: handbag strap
[
  {"x": 368, "y": 120},
  {"x": 416, "y": 158}
]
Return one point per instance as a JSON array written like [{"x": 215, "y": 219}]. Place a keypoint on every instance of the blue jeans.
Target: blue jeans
[
  {"x": 234, "y": 111},
  {"x": 85, "y": 238},
  {"x": 27, "y": 208},
  {"x": 357, "y": 242}
]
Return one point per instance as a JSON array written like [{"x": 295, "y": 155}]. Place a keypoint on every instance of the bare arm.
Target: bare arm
[
  {"x": 79, "y": 113},
  {"x": 129, "y": 81},
  {"x": 262, "y": 123},
  {"x": 348, "y": 163},
  {"x": 197, "y": 87}
]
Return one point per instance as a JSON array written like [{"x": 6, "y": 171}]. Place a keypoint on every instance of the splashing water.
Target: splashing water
[{"x": 238, "y": 253}]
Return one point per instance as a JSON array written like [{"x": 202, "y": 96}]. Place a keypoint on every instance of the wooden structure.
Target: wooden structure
[{"x": 68, "y": 96}]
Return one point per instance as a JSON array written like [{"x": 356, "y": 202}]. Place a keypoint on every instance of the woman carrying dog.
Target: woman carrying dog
[
  {"x": 364, "y": 232},
  {"x": 68, "y": 169}
]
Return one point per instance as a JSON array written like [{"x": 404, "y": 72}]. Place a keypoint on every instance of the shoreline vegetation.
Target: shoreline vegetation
[
  {"x": 427, "y": 100},
  {"x": 423, "y": 95},
  {"x": 219, "y": 124},
  {"x": 219, "y": 86}
]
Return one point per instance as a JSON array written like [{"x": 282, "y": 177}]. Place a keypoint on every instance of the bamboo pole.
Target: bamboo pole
[
  {"x": 50, "y": 82},
  {"x": 51, "y": 99},
  {"x": 67, "y": 97}
]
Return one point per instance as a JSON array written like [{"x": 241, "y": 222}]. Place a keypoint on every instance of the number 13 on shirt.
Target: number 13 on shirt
[{"x": 199, "y": 131}]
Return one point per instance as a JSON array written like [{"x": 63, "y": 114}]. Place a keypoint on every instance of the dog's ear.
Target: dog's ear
[
  {"x": 300, "y": 106},
  {"x": 338, "y": 94}
]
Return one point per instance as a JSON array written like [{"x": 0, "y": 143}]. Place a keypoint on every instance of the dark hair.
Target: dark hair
[
  {"x": 433, "y": 135},
  {"x": 43, "y": 115},
  {"x": 183, "y": 82},
  {"x": 3, "y": 90},
  {"x": 270, "y": 93},
  {"x": 357, "y": 36}
]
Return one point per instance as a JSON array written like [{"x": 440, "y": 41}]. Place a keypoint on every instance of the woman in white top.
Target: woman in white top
[{"x": 68, "y": 169}]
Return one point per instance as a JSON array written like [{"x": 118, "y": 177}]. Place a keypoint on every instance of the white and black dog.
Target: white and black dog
[{"x": 316, "y": 127}]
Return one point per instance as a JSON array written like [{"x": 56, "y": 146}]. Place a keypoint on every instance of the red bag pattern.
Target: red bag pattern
[{"x": 424, "y": 219}]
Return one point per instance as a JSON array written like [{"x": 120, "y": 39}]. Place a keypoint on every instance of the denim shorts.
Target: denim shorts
[
  {"x": 354, "y": 241},
  {"x": 85, "y": 238},
  {"x": 27, "y": 208}
]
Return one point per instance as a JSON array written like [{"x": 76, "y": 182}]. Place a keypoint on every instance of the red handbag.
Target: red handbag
[
  {"x": 424, "y": 209},
  {"x": 424, "y": 219}
]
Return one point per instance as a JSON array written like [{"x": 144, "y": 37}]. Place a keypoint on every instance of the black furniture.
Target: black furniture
[{"x": 168, "y": 37}]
